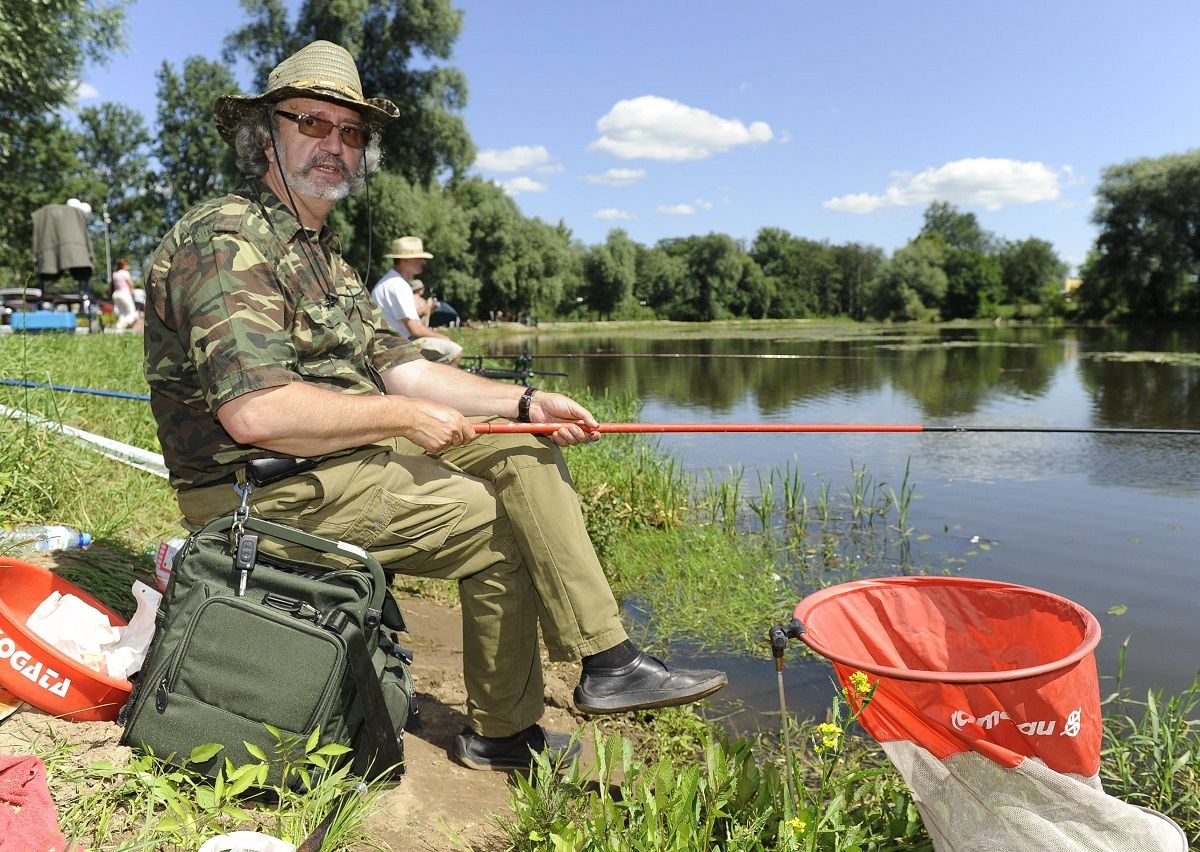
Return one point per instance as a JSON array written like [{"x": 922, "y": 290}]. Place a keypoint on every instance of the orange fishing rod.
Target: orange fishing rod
[{"x": 550, "y": 428}]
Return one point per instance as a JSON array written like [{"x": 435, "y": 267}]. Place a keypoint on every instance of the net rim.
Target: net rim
[{"x": 804, "y": 609}]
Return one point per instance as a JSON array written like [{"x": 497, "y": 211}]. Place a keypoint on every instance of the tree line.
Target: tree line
[{"x": 488, "y": 256}]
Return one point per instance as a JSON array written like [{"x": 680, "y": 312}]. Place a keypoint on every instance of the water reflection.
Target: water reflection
[{"x": 1105, "y": 520}]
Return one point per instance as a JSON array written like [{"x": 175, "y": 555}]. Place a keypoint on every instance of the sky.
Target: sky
[{"x": 833, "y": 121}]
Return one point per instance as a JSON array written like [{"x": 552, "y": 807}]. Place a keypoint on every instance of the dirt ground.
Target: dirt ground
[{"x": 439, "y": 805}]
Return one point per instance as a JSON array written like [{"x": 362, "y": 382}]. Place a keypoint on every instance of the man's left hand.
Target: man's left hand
[{"x": 546, "y": 407}]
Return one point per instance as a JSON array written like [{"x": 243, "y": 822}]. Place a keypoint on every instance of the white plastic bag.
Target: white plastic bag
[
  {"x": 83, "y": 633},
  {"x": 126, "y": 655},
  {"x": 246, "y": 841}
]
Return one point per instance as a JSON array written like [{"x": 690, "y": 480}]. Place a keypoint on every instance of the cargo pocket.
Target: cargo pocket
[{"x": 420, "y": 523}]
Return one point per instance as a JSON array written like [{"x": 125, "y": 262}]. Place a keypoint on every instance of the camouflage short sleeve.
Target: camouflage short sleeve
[{"x": 241, "y": 299}]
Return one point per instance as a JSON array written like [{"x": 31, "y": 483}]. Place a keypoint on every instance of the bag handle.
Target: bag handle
[{"x": 313, "y": 542}]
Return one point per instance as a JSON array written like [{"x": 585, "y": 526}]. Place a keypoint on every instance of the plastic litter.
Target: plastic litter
[
  {"x": 44, "y": 538},
  {"x": 83, "y": 633},
  {"x": 163, "y": 558},
  {"x": 246, "y": 841}
]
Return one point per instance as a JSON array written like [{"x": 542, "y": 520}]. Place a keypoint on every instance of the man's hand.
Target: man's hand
[
  {"x": 546, "y": 407},
  {"x": 436, "y": 428}
]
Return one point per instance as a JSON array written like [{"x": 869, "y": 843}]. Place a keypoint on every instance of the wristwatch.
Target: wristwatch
[{"x": 523, "y": 404}]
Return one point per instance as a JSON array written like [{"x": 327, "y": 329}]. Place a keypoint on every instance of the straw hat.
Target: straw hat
[
  {"x": 403, "y": 247},
  {"x": 321, "y": 70},
  {"x": 416, "y": 284}
]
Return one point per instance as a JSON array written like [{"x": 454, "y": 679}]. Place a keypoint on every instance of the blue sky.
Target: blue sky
[{"x": 834, "y": 121}]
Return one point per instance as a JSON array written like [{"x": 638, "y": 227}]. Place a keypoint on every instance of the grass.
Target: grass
[{"x": 672, "y": 544}]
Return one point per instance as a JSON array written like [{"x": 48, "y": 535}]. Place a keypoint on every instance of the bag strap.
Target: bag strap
[{"x": 377, "y": 747}]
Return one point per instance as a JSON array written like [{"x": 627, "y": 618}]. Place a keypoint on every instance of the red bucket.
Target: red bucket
[{"x": 37, "y": 672}]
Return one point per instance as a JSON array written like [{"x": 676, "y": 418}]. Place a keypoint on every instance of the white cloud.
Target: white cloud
[
  {"x": 859, "y": 202},
  {"x": 685, "y": 209},
  {"x": 989, "y": 182},
  {"x": 86, "y": 91},
  {"x": 513, "y": 159},
  {"x": 613, "y": 213},
  {"x": 785, "y": 137},
  {"x": 656, "y": 128},
  {"x": 617, "y": 177},
  {"x": 553, "y": 169},
  {"x": 521, "y": 184}
]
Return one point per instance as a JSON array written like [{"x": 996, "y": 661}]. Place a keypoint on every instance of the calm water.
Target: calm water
[{"x": 1107, "y": 521}]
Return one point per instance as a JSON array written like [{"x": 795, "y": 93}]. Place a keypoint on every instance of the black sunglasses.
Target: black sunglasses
[{"x": 319, "y": 128}]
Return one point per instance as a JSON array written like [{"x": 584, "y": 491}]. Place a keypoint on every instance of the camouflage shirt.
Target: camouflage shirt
[{"x": 238, "y": 300}]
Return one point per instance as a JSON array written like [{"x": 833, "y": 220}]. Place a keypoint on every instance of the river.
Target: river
[{"x": 1109, "y": 521}]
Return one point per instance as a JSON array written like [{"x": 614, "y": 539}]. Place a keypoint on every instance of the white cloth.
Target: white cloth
[
  {"x": 122, "y": 296},
  {"x": 438, "y": 349},
  {"x": 395, "y": 298}
]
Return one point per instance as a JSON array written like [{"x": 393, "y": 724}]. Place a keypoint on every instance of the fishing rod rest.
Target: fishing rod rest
[{"x": 779, "y": 636}]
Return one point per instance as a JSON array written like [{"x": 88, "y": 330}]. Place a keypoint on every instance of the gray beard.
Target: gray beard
[{"x": 301, "y": 181}]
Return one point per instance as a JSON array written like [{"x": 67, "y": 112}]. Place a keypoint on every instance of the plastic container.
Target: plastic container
[
  {"x": 163, "y": 558},
  {"x": 38, "y": 673},
  {"x": 43, "y": 537}
]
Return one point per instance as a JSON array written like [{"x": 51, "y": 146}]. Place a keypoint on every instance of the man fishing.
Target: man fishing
[{"x": 261, "y": 343}]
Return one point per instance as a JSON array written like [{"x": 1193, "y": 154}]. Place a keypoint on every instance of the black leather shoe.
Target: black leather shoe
[
  {"x": 509, "y": 753},
  {"x": 643, "y": 684}
]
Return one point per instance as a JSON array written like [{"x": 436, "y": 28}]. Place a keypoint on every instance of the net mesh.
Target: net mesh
[{"x": 972, "y": 804}]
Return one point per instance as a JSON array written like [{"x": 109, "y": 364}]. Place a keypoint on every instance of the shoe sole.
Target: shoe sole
[{"x": 604, "y": 708}]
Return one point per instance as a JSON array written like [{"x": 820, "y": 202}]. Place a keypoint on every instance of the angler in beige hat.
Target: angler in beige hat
[
  {"x": 398, "y": 297},
  {"x": 261, "y": 342}
]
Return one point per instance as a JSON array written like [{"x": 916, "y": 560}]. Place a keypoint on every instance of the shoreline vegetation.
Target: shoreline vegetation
[{"x": 672, "y": 544}]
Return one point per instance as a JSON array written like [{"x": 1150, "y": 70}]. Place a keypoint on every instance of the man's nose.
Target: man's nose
[{"x": 332, "y": 143}]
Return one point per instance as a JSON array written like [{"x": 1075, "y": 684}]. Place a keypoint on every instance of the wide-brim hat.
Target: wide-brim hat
[
  {"x": 321, "y": 70},
  {"x": 410, "y": 247}
]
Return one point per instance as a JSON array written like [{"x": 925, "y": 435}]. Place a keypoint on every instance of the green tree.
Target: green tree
[
  {"x": 1032, "y": 272},
  {"x": 974, "y": 284},
  {"x": 803, "y": 275},
  {"x": 713, "y": 273},
  {"x": 661, "y": 277},
  {"x": 857, "y": 265},
  {"x": 1146, "y": 260},
  {"x": 609, "y": 271},
  {"x": 196, "y": 163},
  {"x": 399, "y": 208},
  {"x": 115, "y": 147},
  {"x": 959, "y": 230},
  {"x": 399, "y": 46},
  {"x": 912, "y": 283},
  {"x": 263, "y": 42},
  {"x": 43, "y": 46}
]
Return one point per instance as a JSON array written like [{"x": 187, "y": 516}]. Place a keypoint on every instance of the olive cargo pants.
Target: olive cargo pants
[{"x": 499, "y": 515}]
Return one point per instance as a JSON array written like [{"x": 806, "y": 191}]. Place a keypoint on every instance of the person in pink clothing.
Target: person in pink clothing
[{"x": 122, "y": 296}]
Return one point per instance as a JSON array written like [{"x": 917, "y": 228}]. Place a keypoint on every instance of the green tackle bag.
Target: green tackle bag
[{"x": 245, "y": 640}]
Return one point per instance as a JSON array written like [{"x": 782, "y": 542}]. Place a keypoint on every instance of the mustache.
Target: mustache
[{"x": 326, "y": 159}]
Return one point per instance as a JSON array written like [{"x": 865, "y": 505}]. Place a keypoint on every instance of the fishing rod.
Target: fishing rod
[
  {"x": 22, "y": 383},
  {"x": 626, "y": 428},
  {"x": 766, "y": 356}
]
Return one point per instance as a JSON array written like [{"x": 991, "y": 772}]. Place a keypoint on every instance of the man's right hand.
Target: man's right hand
[{"x": 436, "y": 428}]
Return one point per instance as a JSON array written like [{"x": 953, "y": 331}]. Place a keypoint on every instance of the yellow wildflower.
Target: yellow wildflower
[
  {"x": 798, "y": 824},
  {"x": 830, "y": 735},
  {"x": 861, "y": 684}
]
